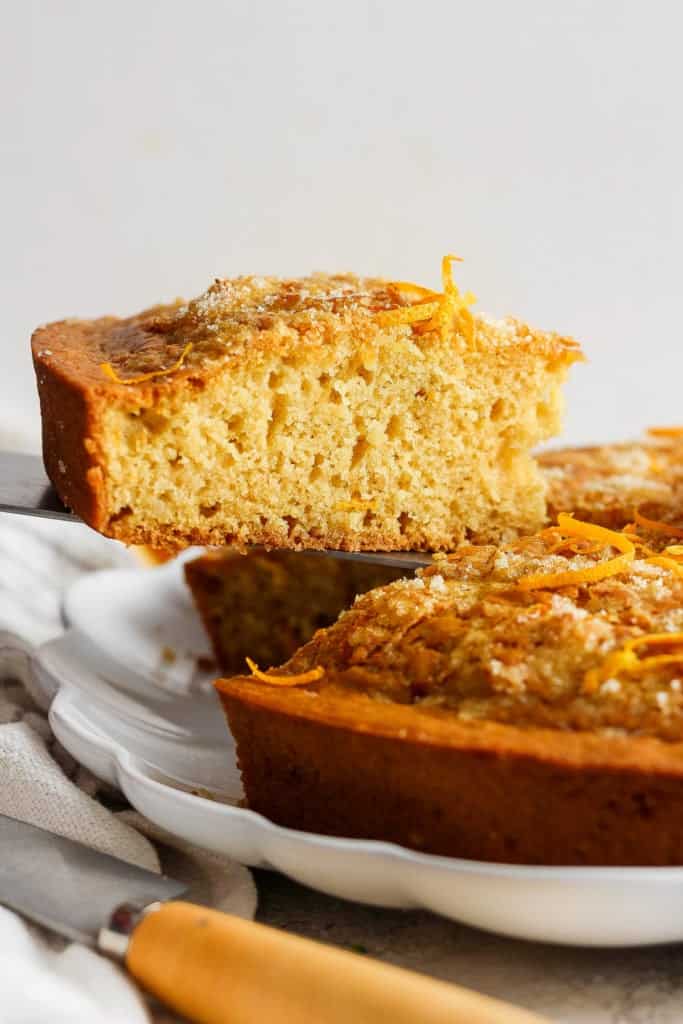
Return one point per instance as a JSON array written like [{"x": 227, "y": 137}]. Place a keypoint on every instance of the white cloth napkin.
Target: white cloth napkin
[{"x": 42, "y": 979}]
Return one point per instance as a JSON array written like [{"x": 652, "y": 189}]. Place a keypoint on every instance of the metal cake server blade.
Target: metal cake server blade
[
  {"x": 26, "y": 490},
  {"x": 68, "y": 887}
]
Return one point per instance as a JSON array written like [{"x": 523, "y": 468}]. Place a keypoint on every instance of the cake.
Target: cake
[
  {"x": 519, "y": 702},
  {"x": 264, "y": 605},
  {"x": 329, "y": 411},
  {"x": 611, "y": 484}
]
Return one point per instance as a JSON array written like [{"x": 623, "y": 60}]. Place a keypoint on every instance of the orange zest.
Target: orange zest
[
  {"x": 294, "y": 680},
  {"x": 625, "y": 661},
  {"x": 453, "y": 303},
  {"x": 670, "y": 559},
  {"x": 658, "y": 525},
  {"x": 110, "y": 372},
  {"x": 665, "y": 431},
  {"x": 409, "y": 314},
  {"x": 666, "y": 563},
  {"x": 417, "y": 289},
  {"x": 590, "y": 574},
  {"x": 441, "y": 307}
]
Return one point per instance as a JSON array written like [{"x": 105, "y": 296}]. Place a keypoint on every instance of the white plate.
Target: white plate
[{"x": 156, "y": 733}]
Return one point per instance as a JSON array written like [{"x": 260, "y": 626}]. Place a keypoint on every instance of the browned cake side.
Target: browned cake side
[
  {"x": 324, "y": 412},
  {"x": 264, "y": 605},
  {"x": 486, "y": 792},
  {"x": 505, "y": 705}
]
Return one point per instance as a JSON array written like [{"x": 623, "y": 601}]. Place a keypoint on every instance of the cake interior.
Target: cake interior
[{"x": 333, "y": 430}]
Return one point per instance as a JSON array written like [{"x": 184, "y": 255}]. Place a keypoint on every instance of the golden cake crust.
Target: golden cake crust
[
  {"x": 608, "y": 484},
  {"x": 469, "y": 713},
  {"x": 113, "y": 386}
]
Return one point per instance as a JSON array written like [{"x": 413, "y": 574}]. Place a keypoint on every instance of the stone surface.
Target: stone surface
[{"x": 569, "y": 986}]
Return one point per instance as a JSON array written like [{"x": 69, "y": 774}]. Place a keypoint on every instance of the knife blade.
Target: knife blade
[
  {"x": 68, "y": 887},
  {"x": 26, "y": 490},
  {"x": 211, "y": 967}
]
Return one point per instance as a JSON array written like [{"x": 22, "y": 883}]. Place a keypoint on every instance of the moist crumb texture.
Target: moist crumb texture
[
  {"x": 328, "y": 411},
  {"x": 520, "y": 702}
]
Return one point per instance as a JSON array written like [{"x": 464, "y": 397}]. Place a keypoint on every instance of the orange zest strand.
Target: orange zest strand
[
  {"x": 409, "y": 314},
  {"x": 442, "y": 307},
  {"x": 110, "y": 372},
  {"x": 658, "y": 525},
  {"x": 671, "y": 558},
  {"x": 418, "y": 289},
  {"x": 641, "y": 546},
  {"x": 295, "y": 680},
  {"x": 666, "y": 563},
  {"x": 592, "y": 573},
  {"x": 455, "y": 304},
  {"x": 665, "y": 431},
  {"x": 579, "y": 545},
  {"x": 626, "y": 662}
]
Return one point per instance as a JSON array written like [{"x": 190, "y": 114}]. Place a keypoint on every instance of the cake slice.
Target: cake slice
[
  {"x": 516, "y": 703},
  {"x": 323, "y": 412},
  {"x": 264, "y": 605}
]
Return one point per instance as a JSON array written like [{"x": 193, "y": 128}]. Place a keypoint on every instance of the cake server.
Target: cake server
[
  {"x": 208, "y": 966},
  {"x": 26, "y": 490}
]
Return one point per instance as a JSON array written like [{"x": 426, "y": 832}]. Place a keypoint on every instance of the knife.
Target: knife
[
  {"x": 211, "y": 967},
  {"x": 26, "y": 490}
]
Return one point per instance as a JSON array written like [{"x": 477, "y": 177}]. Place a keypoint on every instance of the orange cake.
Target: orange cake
[
  {"x": 267, "y": 605},
  {"x": 329, "y": 411},
  {"x": 516, "y": 703},
  {"x": 264, "y": 605},
  {"x": 609, "y": 484}
]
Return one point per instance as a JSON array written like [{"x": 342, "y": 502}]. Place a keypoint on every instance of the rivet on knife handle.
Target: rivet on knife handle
[
  {"x": 217, "y": 969},
  {"x": 114, "y": 940}
]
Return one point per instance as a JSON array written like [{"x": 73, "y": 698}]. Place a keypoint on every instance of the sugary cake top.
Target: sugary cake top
[
  {"x": 609, "y": 483},
  {"x": 234, "y": 315},
  {"x": 576, "y": 628}
]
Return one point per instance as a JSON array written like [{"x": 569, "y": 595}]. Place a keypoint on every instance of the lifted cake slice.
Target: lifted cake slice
[{"x": 322, "y": 412}]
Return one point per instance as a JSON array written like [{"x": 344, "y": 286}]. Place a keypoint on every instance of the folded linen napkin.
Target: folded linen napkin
[{"x": 43, "y": 978}]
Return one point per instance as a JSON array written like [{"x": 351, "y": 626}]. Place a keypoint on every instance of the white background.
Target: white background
[{"x": 146, "y": 147}]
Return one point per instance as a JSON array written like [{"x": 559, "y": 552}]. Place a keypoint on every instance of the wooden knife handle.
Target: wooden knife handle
[{"x": 218, "y": 969}]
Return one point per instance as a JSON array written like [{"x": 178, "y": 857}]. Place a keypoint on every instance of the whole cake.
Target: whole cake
[
  {"x": 329, "y": 411},
  {"x": 516, "y": 703}
]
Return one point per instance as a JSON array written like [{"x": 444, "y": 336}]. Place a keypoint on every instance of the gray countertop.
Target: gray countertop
[{"x": 570, "y": 986}]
